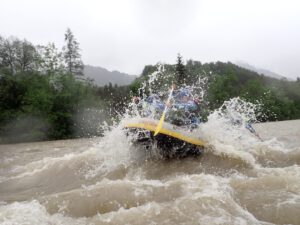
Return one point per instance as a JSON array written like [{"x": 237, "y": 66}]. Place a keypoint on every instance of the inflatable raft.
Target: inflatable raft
[{"x": 172, "y": 140}]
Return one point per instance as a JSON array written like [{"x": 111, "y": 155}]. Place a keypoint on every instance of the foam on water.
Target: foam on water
[
  {"x": 112, "y": 152},
  {"x": 173, "y": 197},
  {"x": 197, "y": 198},
  {"x": 33, "y": 213}
]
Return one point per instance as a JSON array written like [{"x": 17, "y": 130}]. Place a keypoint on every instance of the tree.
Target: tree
[
  {"x": 180, "y": 71},
  {"x": 71, "y": 55},
  {"x": 27, "y": 57},
  {"x": 7, "y": 54},
  {"x": 51, "y": 59},
  {"x": 18, "y": 55}
]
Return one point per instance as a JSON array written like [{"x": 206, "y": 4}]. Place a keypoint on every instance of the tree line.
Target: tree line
[
  {"x": 20, "y": 56},
  {"x": 44, "y": 95},
  {"x": 278, "y": 99}
]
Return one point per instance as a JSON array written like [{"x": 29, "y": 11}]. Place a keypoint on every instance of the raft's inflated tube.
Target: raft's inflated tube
[{"x": 151, "y": 125}]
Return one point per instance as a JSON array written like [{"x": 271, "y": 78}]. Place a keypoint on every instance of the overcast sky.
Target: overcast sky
[{"x": 125, "y": 35}]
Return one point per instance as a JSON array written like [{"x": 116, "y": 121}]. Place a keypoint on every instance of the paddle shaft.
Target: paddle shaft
[{"x": 161, "y": 121}]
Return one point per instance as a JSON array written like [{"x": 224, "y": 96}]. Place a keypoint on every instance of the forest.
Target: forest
[
  {"x": 279, "y": 99},
  {"x": 44, "y": 95}
]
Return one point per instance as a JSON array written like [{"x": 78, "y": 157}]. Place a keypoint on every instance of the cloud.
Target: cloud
[{"x": 125, "y": 35}]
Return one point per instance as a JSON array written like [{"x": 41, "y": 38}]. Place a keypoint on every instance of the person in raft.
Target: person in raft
[
  {"x": 150, "y": 107},
  {"x": 182, "y": 109},
  {"x": 236, "y": 119}
]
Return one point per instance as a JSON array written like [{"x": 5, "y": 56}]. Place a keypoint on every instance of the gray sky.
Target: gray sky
[{"x": 125, "y": 35}]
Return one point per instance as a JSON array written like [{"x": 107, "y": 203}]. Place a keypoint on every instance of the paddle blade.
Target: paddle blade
[{"x": 160, "y": 124}]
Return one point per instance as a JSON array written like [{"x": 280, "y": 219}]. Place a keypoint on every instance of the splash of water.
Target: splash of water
[
  {"x": 158, "y": 84},
  {"x": 225, "y": 128}
]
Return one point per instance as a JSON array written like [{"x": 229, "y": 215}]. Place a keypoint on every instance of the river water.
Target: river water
[{"x": 238, "y": 180}]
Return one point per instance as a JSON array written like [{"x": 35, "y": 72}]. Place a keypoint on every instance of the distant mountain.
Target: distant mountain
[
  {"x": 259, "y": 71},
  {"x": 102, "y": 76}
]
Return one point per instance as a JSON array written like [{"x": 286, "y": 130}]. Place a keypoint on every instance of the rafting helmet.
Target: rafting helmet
[{"x": 153, "y": 98}]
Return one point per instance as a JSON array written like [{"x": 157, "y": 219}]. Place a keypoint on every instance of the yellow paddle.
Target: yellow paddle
[{"x": 162, "y": 119}]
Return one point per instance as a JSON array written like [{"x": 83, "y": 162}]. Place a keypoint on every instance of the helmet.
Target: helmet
[
  {"x": 183, "y": 92},
  {"x": 152, "y": 98}
]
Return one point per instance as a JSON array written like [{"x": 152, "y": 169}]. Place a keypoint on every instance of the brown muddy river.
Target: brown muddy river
[{"x": 238, "y": 180}]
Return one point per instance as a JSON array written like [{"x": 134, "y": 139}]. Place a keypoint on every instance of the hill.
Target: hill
[
  {"x": 259, "y": 70},
  {"x": 102, "y": 76}
]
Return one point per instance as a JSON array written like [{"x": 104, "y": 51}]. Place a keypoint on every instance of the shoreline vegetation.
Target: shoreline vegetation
[{"x": 44, "y": 94}]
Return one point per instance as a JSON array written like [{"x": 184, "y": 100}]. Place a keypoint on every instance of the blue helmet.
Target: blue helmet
[
  {"x": 183, "y": 92},
  {"x": 152, "y": 98}
]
